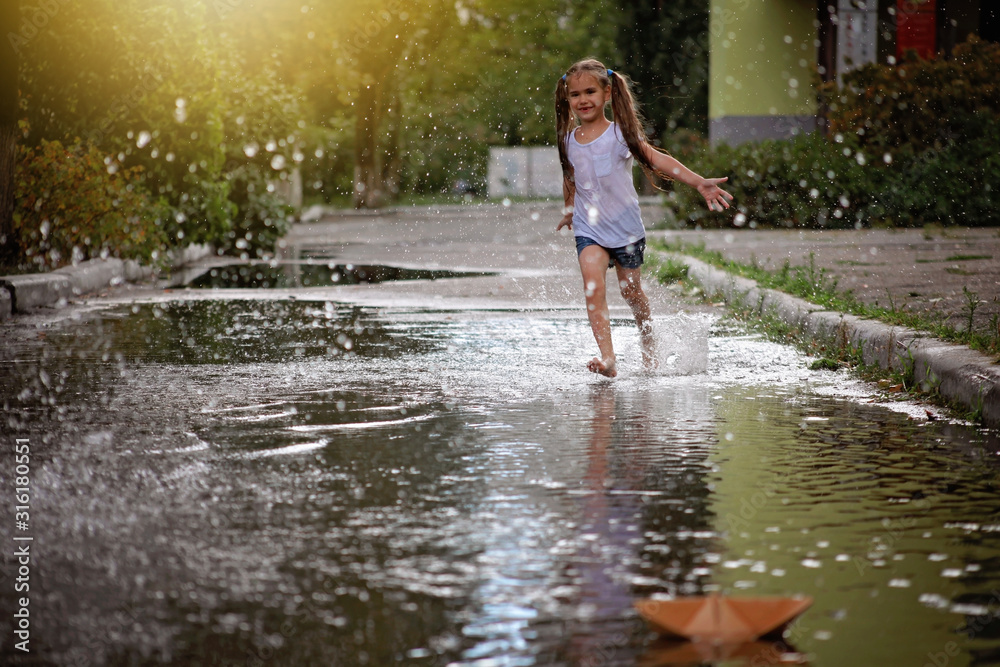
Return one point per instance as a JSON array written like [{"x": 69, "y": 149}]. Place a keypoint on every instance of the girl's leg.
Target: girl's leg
[
  {"x": 594, "y": 267},
  {"x": 631, "y": 285}
]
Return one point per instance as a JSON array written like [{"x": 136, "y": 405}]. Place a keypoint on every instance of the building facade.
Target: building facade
[{"x": 766, "y": 56}]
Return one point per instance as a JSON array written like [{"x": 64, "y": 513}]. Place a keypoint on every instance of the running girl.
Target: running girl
[{"x": 602, "y": 207}]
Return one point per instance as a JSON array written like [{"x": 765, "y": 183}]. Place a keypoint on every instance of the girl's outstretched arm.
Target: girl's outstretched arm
[
  {"x": 569, "y": 195},
  {"x": 716, "y": 198}
]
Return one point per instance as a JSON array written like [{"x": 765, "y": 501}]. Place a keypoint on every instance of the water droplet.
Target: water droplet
[
  {"x": 933, "y": 600},
  {"x": 180, "y": 110},
  {"x": 143, "y": 140},
  {"x": 278, "y": 162},
  {"x": 251, "y": 149}
]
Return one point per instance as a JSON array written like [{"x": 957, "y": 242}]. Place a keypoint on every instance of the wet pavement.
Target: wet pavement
[{"x": 421, "y": 472}]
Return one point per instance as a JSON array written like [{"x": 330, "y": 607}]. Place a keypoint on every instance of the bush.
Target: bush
[
  {"x": 919, "y": 104},
  {"x": 71, "y": 205},
  {"x": 956, "y": 183},
  {"x": 164, "y": 87},
  {"x": 261, "y": 219},
  {"x": 807, "y": 181}
]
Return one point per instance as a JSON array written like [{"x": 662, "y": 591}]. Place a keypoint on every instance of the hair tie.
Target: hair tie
[
  {"x": 564, "y": 77},
  {"x": 610, "y": 72}
]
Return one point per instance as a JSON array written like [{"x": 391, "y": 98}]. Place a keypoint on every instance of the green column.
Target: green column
[{"x": 762, "y": 59}]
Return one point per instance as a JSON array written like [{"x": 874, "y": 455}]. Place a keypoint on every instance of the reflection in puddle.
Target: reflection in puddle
[
  {"x": 459, "y": 491},
  {"x": 308, "y": 274},
  {"x": 224, "y": 332}
]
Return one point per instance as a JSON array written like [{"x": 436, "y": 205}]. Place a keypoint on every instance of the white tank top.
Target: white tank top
[{"x": 606, "y": 206}]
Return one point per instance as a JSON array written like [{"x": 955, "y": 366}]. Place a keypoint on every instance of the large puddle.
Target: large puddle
[{"x": 296, "y": 483}]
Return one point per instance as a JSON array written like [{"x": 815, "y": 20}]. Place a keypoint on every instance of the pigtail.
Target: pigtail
[
  {"x": 630, "y": 122},
  {"x": 564, "y": 125}
]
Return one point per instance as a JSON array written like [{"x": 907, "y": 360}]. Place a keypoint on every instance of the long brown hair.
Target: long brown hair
[{"x": 623, "y": 106}]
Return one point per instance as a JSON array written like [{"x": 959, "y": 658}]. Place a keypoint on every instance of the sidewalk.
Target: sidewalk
[{"x": 913, "y": 269}]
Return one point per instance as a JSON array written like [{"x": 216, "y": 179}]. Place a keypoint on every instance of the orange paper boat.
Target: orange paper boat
[{"x": 722, "y": 620}]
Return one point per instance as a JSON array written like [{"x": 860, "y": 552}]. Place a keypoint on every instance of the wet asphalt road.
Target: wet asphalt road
[{"x": 421, "y": 472}]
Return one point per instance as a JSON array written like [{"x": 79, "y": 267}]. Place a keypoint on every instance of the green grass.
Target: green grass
[
  {"x": 825, "y": 364},
  {"x": 666, "y": 270},
  {"x": 818, "y": 286},
  {"x": 953, "y": 258},
  {"x": 963, "y": 258}
]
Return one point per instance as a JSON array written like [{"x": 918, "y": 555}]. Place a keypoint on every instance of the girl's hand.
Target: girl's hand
[
  {"x": 714, "y": 196},
  {"x": 567, "y": 221}
]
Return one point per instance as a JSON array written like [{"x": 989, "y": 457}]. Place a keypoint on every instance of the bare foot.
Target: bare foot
[{"x": 605, "y": 367}]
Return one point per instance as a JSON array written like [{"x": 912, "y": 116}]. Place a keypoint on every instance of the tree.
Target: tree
[
  {"x": 664, "y": 47},
  {"x": 162, "y": 86},
  {"x": 379, "y": 46},
  {"x": 9, "y": 19},
  {"x": 490, "y": 82}
]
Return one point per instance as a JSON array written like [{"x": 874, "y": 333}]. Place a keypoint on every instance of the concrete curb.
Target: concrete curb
[
  {"x": 179, "y": 257},
  {"x": 52, "y": 289},
  {"x": 6, "y": 304},
  {"x": 962, "y": 376},
  {"x": 22, "y": 293}
]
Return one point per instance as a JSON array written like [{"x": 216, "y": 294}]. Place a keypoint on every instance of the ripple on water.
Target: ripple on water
[{"x": 458, "y": 490}]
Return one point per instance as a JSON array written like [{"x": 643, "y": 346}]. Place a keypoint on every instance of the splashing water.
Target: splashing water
[{"x": 682, "y": 344}]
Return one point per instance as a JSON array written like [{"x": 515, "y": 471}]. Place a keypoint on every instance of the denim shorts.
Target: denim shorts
[{"x": 627, "y": 257}]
